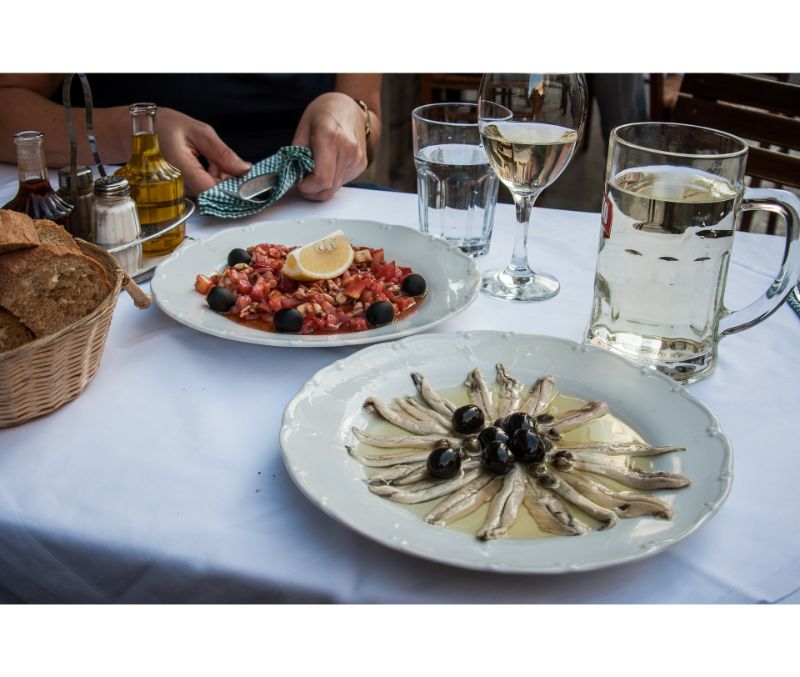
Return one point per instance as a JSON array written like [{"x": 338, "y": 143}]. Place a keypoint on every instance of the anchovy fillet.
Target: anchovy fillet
[
  {"x": 606, "y": 517},
  {"x": 505, "y": 505},
  {"x": 616, "y": 449},
  {"x": 510, "y": 392},
  {"x": 404, "y": 473},
  {"x": 540, "y": 396},
  {"x": 406, "y": 441},
  {"x": 422, "y": 412},
  {"x": 549, "y": 513},
  {"x": 434, "y": 400},
  {"x": 403, "y": 420},
  {"x": 575, "y": 418},
  {"x": 624, "y": 504},
  {"x": 387, "y": 459},
  {"x": 417, "y": 493},
  {"x": 632, "y": 477},
  {"x": 466, "y": 500},
  {"x": 479, "y": 394}
]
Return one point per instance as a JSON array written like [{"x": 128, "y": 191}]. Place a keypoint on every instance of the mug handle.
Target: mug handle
[{"x": 788, "y": 206}]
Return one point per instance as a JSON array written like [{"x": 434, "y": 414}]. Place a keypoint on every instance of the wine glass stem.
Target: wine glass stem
[{"x": 518, "y": 266}]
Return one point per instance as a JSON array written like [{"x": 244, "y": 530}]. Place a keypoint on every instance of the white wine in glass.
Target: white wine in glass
[{"x": 529, "y": 125}]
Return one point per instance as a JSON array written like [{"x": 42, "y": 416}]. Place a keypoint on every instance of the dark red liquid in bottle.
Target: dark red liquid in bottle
[{"x": 37, "y": 199}]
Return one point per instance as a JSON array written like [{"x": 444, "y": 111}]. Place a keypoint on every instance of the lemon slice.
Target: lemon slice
[{"x": 323, "y": 259}]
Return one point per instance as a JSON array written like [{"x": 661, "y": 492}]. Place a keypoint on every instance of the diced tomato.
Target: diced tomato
[
  {"x": 243, "y": 302},
  {"x": 275, "y": 300},
  {"x": 290, "y": 302},
  {"x": 203, "y": 284},
  {"x": 386, "y": 271},
  {"x": 260, "y": 289},
  {"x": 377, "y": 255},
  {"x": 404, "y": 302},
  {"x": 355, "y": 287}
]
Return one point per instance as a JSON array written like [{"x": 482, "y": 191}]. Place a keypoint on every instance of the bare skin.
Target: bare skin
[{"x": 333, "y": 126}]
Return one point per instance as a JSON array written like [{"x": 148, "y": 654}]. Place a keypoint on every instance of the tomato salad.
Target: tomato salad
[{"x": 254, "y": 290}]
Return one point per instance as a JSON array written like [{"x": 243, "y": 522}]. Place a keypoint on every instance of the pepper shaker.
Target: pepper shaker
[{"x": 80, "y": 222}]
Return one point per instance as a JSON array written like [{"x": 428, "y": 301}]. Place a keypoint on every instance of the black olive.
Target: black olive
[
  {"x": 497, "y": 458},
  {"x": 547, "y": 480},
  {"x": 519, "y": 420},
  {"x": 493, "y": 434},
  {"x": 381, "y": 312},
  {"x": 288, "y": 320},
  {"x": 527, "y": 447},
  {"x": 444, "y": 463},
  {"x": 471, "y": 446},
  {"x": 539, "y": 469},
  {"x": 238, "y": 256},
  {"x": 414, "y": 285},
  {"x": 553, "y": 434},
  {"x": 220, "y": 299},
  {"x": 545, "y": 418},
  {"x": 500, "y": 423},
  {"x": 468, "y": 419}
]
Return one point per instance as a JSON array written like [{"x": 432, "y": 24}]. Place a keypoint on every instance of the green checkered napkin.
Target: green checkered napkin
[
  {"x": 291, "y": 163},
  {"x": 793, "y": 302}
]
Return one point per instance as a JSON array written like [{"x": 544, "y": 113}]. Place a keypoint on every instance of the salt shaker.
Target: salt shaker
[
  {"x": 80, "y": 222},
  {"x": 117, "y": 221}
]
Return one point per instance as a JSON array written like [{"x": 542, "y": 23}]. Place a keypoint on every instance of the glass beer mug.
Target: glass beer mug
[{"x": 672, "y": 197}]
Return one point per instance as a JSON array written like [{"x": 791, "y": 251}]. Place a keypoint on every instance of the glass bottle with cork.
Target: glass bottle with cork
[
  {"x": 35, "y": 196},
  {"x": 156, "y": 186}
]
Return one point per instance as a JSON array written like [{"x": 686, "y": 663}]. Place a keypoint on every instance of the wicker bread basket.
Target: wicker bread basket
[{"x": 39, "y": 377}]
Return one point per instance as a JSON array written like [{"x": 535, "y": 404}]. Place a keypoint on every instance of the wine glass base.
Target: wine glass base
[{"x": 533, "y": 287}]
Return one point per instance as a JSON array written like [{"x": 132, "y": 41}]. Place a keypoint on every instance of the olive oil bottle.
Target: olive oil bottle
[{"x": 156, "y": 186}]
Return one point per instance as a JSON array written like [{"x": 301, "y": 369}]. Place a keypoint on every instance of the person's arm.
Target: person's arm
[
  {"x": 334, "y": 127},
  {"x": 24, "y": 100}
]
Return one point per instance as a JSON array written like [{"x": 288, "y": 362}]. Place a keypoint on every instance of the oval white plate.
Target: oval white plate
[
  {"x": 317, "y": 425},
  {"x": 452, "y": 278}
]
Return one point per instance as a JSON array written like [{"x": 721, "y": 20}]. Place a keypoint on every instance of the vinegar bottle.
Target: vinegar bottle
[
  {"x": 35, "y": 196},
  {"x": 156, "y": 186}
]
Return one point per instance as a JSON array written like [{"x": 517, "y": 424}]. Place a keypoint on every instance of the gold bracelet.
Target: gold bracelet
[{"x": 365, "y": 108}]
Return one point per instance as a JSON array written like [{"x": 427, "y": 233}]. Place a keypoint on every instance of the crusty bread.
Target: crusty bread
[
  {"x": 51, "y": 233},
  {"x": 51, "y": 286},
  {"x": 12, "y": 332},
  {"x": 16, "y": 231}
]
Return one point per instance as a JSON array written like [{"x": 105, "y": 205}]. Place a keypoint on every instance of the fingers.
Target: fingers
[
  {"x": 337, "y": 159},
  {"x": 195, "y": 178},
  {"x": 212, "y": 148}
]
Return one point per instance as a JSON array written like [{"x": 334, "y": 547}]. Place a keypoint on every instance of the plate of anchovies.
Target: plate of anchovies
[{"x": 506, "y": 452}]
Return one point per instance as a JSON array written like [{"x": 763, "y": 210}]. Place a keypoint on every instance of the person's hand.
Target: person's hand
[
  {"x": 333, "y": 127},
  {"x": 182, "y": 139}
]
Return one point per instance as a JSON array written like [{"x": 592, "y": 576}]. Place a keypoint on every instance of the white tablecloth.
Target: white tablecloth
[{"x": 163, "y": 481}]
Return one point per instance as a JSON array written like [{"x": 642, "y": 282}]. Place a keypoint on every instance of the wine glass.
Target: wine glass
[{"x": 530, "y": 124}]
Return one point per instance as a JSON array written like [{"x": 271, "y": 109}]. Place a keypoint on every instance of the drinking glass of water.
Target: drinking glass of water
[
  {"x": 530, "y": 124},
  {"x": 456, "y": 188}
]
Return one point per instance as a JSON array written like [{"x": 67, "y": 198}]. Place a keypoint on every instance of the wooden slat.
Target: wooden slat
[
  {"x": 747, "y": 90},
  {"x": 429, "y": 82},
  {"x": 773, "y": 166},
  {"x": 751, "y": 124}
]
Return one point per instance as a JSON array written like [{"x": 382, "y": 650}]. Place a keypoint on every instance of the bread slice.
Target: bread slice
[
  {"x": 51, "y": 286},
  {"x": 16, "y": 231},
  {"x": 12, "y": 332},
  {"x": 51, "y": 233}
]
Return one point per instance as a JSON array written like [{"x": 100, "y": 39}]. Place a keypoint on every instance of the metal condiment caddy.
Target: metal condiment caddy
[{"x": 120, "y": 251}]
